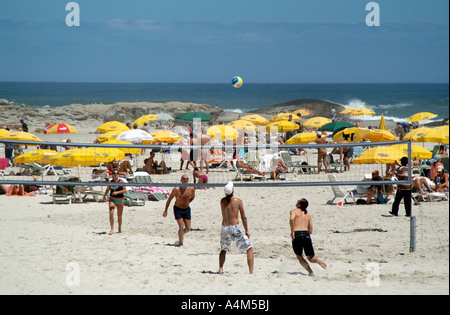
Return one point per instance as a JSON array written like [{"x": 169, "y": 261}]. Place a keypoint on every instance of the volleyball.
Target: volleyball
[{"x": 237, "y": 82}]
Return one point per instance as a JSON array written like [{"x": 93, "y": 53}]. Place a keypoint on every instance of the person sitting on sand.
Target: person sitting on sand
[
  {"x": 441, "y": 184},
  {"x": 151, "y": 165}
]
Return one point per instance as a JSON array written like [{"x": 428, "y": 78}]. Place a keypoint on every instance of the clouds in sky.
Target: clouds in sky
[{"x": 123, "y": 48}]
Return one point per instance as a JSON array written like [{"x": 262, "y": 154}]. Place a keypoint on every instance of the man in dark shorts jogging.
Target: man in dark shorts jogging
[
  {"x": 301, "y": 230},
  {"x": 183, "y": 197}
]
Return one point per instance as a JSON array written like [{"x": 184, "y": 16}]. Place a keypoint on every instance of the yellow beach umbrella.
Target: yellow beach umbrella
[
  {"x": 112, "y": 126},
  {"x": 303, "y": 112},
  {"x": 243, "y": 125},
  {"x": 316, "y": 122},
  {"x": 378, "y": 135},
  {"x": 166, "y": 136},
  {"x": 284, "y": 116},
  {"x": 282, "y": 126},
  {"x": 144, "y": 119},
  {"x": 421, "y": 116},
  {"x": 256, "y": 119},
  {"x": 414, "y": 134},
  {"x": 4, "y": 132},
  {"x": 112, "y": 135},
  {"x": 77, "y": 157},
  {"x": 353, "y": 134},
  {"x": 110, "y": 154},
  {"x": 302, "y": 138},
  {"x": 38, "y": 156},
  {"x": 349, "y": 110},
  {"x": 222, "y": 132},
  {"x": 356, "y": 111},
  {"x": 437, "y": 134},
  {"x": 382, "y": 123},
  {"x": 125, "y": 150},
  {"x": 22, "y": 136},
  {"x": 417, "y": 152},
  {"x": 380, "y": 155}
]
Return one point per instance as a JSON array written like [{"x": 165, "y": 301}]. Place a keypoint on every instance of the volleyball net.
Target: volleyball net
[{"x": 257, "y": 165}]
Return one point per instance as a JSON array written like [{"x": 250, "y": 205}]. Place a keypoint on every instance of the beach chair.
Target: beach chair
[
  {"x": 133, "y": 198},
  {"x": 444, "y": 161},
  {"x": 66, "y": 194},
  {"x": 343, "y": 193},
  {"x": 338, "y": 167},
  {"x": 146, "y": 188},
  {"x": 302, "y": 166}
]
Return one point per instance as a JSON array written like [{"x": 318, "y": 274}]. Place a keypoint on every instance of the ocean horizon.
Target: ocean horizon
[{"x": 396, "y": 101}]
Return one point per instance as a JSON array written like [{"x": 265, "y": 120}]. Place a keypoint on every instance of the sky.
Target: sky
[{"x": 210, "y": 41}]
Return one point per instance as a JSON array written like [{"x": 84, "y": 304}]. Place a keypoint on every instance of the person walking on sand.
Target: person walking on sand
[
  {"x": 116, "y": 200},
  {"x": 231, "y": 208},
  {"x": 183, "y": 197},
  {"x": 301, "y": 230}
]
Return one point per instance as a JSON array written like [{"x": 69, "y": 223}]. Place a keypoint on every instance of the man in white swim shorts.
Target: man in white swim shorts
[{"x": 231, "y": 208}]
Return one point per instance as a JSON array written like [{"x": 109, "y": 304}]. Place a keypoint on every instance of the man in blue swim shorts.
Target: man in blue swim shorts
[{"x": 182, "y": 212}]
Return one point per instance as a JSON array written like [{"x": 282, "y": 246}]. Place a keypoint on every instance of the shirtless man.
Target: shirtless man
[
  {"x": 322, "y": 154},
  {"x": 231, "y": 208},
  {"x": 248, "y": 168},
  {"x": 183, "y": 197},
  {"x": 301, "y": 230}
]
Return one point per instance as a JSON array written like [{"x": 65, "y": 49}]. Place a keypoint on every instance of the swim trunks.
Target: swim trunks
[
  {"x": 182, "y": 213},
  {"x": 234, "y": 233},
  {"x": 302, "y": 242}
]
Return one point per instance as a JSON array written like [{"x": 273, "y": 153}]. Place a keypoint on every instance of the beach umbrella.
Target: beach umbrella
[
  {"x": 222, "y": 132},
  {"x": 414, "y": 134},
  {"x": 282, "y": 126},
  {"x": 256, "y": 119},
  {"x": 437, "y": 134},
  {"x": 136, "y": 136},
  {"x": 356, "y": 111},
  {"x": 112, "y": 135},
  {"x": 382, "y": 123},
  {"x": 335, "y": 125},
  {"x": 303, "y": 112},
  {"x": 194, "y": 115},
  {"x": 316, "y": 122},
  {"x": 302, "y": 138},
  {"x": 144, "y": 119},
  {"x": 353, "y": 134},
  {"x": 421, "y": 116},
  {"x": 284, "y": 116},
  {"x": 417, "y": 152},
  {"x": 36, "y": 156},
  {"x": 4, "y": 132},
  {"x": 378, "y": 135},
  {"x": 112, "y": 126},
  {"x": 180, "y": 130},
  {"x": 164, "y": 117},
  {"x": 110, "y": 154},
  {"x": 166, "y": 136},
  {"x": 380, "y": 155},
  {"x": 22, "y": 136},
  {"x": 77, "y": 157},
  {"x": 60, "y": 128},
  {"x": 125, "y": 150},
  {"x": 243, "y": 125}
]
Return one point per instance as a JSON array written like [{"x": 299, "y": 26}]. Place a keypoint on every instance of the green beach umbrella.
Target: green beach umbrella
[
  {"x": 192, "y": 115},
  {"x": 335, "y": 125}
]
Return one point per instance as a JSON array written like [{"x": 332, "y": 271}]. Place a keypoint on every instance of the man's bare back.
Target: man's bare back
[
  {"x": 231, "y": 210},
  {"x": 300, "y": 222}
]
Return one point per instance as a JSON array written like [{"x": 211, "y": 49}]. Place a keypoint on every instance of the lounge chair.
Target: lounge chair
[
  {"x": 338, "y": 167},
  {"x": 302, "y": 166},
  {"x": 134, "y": 199},
  {"x": 343, "y": 193},
  {"x": 241, "y": 175},
  {"x": 65, "y": 194},
  {"x": 152, "y": 192}
]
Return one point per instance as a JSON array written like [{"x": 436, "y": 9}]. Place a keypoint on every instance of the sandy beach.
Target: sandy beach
[{"x": 367, "y": 251}]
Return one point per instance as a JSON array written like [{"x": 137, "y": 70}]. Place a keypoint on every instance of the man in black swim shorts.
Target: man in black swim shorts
[
  {"x": 181, "y": 210},
  {"x": 301, "y": 230}
]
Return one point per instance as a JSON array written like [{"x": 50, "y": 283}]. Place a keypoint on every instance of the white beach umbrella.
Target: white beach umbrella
[
  {"x": 164, "y": 117},
  {"x": 135, "y": 136}
]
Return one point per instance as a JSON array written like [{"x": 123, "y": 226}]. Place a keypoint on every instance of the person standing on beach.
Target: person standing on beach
[
  {"x": 301, "y": 230},
  {"x": 183, "y": 197},
  {"x": 231, "y": 208},
  {"x": 403, "y": 191},
  {"x": 116, "y": 200}
]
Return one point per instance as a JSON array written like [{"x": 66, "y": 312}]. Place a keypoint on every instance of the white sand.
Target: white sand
[{"x": 40, "y": 240}]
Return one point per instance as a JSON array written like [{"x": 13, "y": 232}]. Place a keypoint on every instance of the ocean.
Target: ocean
[{"x": 394, "y": 101}]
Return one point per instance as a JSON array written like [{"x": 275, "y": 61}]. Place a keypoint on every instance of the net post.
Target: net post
[{"x": 412, "y": 236}]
